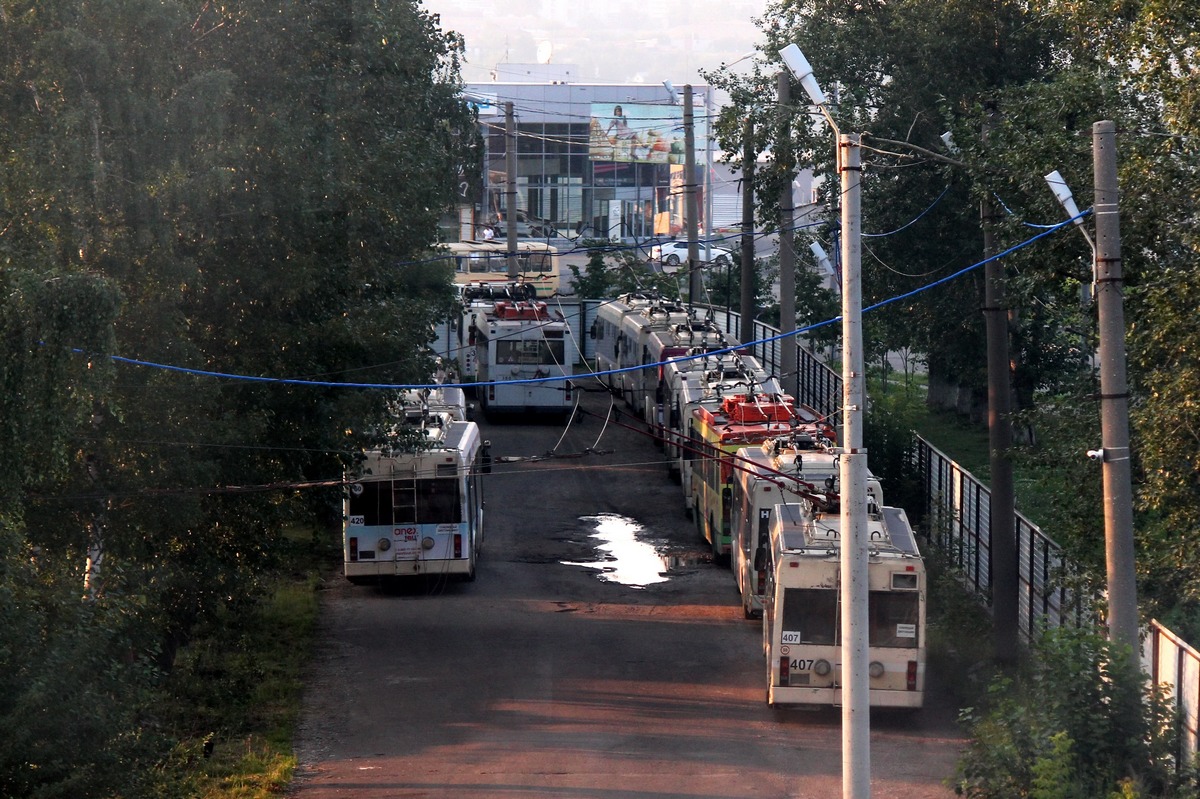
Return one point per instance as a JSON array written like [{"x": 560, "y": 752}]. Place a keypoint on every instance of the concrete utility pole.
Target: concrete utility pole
[
  {"x": 1114, "y": 394},
  {"x": 749, "y": 272},
  {"x": 856, "y": 687},
  {"x": 1003, "y": 542},
  {"x": 854, "y": 589},
  {"x": 787, "y": 247},
  {"x": 692, "y": 208},
  {"x": 510, "y": 191}
]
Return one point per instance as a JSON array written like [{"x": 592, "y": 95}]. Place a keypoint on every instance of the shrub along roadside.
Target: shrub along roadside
[
  {"x": 233, "y": 699},
  {"x": 1077, "y": 720}
]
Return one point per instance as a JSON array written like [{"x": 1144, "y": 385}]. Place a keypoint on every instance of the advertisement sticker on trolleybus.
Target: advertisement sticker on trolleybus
[{"x": 405, "y": 533}]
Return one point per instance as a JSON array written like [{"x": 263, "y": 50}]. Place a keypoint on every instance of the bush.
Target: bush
[{"x": 1078, "y": 721}]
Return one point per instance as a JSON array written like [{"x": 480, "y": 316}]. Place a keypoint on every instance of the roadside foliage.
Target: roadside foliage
[{"x": 248, "y": 190}]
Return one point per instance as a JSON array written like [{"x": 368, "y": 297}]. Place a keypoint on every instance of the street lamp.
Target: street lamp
[
  {"x": 856, "y": 706},
  {"x": 822, "y": 259},
  {"x": 1107, "y": 282},
  {"x": 1062, "y": 193}
]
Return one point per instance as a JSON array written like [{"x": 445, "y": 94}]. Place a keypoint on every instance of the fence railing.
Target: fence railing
[
  {"x": 957, "y": 510},
  {"x": 1171, "y": 661}
]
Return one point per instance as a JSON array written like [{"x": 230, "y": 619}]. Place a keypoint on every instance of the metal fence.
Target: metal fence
[
  {"x": 1172, "y": 662},
  {"x": 957, "y": 511}
]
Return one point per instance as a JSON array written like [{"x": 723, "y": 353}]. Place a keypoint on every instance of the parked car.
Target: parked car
[
  {"x": 673, "y": 253},
  {"x": 527, "y": 226}
]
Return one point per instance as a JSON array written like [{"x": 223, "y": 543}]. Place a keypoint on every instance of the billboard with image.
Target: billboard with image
[{"x": 639, "y": 133}]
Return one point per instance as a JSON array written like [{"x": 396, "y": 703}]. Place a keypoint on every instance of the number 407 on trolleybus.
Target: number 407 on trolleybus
[{"x": 802, "y": 610}]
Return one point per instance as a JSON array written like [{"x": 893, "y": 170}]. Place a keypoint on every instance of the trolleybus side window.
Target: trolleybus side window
[
  {"x": 811, "y": 614},
  {"x": 475, "y": 263},
  {"x": 894, "y": 618}
]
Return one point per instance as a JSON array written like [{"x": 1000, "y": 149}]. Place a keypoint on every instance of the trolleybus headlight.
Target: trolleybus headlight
[
  {"x": 383, "y": 545},
  {"x": 822, "y": 668},
  {"x": 875, "y": 669},
  {"x": 426, "y": 543}
]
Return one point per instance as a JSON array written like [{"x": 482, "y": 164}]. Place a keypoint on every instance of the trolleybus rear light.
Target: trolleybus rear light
[
  {"x": 784, "y": 672},
  {"x": 458, "y": 545},
  {"x": 353, "y": 547},
  {"x": 911, "y": 676}
]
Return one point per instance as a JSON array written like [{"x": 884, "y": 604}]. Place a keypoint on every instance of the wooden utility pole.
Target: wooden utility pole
[
  {"x": 692, "y": 205},
  {"x": 1002, "y": 530},
  {"x": 787, "y": 245}
]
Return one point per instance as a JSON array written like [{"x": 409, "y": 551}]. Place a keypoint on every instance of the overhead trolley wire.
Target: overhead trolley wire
[{"x": 737, "y": 347}]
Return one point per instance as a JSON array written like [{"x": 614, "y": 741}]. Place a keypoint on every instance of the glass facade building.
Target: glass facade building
[{"x": 604, "y": 161}]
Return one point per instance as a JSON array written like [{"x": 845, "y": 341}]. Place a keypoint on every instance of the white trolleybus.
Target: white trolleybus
[
  {"x": 782, "y": 469},
  {"x": 519, "y": 349},
  {"x": 802, "y": 618},
  {"x": 417, "y": 509}
]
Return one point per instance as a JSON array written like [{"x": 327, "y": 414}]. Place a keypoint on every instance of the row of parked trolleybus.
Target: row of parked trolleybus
[{"x": 760, "y": 475}]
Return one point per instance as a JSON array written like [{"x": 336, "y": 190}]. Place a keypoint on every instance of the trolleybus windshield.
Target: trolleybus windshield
[
  {"x": 406, "y": 501},
  {"x": 810, "y": 617}
]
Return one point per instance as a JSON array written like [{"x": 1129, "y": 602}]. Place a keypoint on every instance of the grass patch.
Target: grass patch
[
  {"x": 961, "y": 440},
  {"x": 235, "y": 693}
]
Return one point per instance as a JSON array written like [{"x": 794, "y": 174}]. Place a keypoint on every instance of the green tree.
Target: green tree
[
  {"x": 611, "y": 272},
  {"x": 258, "y": 186}
]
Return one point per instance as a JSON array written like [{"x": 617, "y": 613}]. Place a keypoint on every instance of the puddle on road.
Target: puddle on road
[{"x": 625, "y": 559}]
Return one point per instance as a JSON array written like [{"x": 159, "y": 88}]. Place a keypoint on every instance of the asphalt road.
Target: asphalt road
[{"x": 599, "y": 655}]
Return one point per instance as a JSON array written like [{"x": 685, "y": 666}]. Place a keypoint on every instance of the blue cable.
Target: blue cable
[{"x": 740, "y": 346}]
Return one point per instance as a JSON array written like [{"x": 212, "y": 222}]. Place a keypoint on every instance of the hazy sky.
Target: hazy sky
[{"x": 611, "y": 41}]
